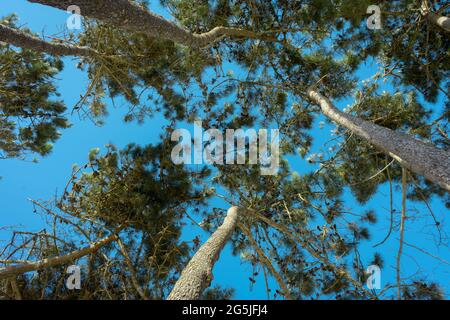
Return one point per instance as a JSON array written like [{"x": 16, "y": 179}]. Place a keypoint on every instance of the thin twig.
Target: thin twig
[{"x": 402, "y": 233}]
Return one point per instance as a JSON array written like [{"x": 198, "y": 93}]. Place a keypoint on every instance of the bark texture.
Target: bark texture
[
  {"x": 441, "y": 21},
  {"x": 197, "y": 275},
  {"x": 55, "y": 261},
  {"x": 128, "y": 15},
  {"x": 23, "y": 40},
  {"x": 422, "y": 158}
]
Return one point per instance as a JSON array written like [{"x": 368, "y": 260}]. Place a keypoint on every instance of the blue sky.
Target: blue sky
[{"x": 23, "y": 179}]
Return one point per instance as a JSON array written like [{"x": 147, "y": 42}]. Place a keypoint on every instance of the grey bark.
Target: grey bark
[
  {"x": 441, "y": 21},
  {"x": 419, "y": 157},
  {"x": 128, "y": 15},
  {"x": 197, "y": 275},
  {"x": 21, "y": 39},
  {"x": 55, "y": 261}
]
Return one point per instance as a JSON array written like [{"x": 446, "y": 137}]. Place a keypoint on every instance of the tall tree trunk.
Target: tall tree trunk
[
  {"x": 197, "y": 275},
  {"x": 128, "y": 15},
  {"x": 55, "y": 261},
  {"x": 441, "y": 21},
  {"x": 419, "y": 157}
]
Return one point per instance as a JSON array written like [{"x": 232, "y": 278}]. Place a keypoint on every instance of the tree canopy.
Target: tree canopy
[{"x": 293, "y": 62}]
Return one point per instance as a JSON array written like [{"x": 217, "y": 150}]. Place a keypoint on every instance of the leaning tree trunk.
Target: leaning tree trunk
[
  {"x": 422, "y": 158},
  {"x": 197, "y": 275},
  {"x": 123, "y": 14},
  {"x": 128, "y": 15},
  {"x": 55, "y": 261},
  {"x": 441, "y": 21},
  {"x": 21, "y": 39}
]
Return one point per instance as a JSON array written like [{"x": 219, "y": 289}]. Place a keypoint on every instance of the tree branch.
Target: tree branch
[
  {"x": 21, "y": 39},
  {"x": 15, "y": 289},
  {"x": 128, "y": 15},
  {"x": 266, "y": 262},
  {"x": 402, "y": 235},
  {"x": 133, "y": 274},
  {"x": 55, "y": 261}
]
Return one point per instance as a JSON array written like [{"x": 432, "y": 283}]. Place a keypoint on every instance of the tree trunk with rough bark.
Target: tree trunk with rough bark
[
  {"x": 422, "y": 158},
  {"x": 197, "y": 275},
  {"x": 128, "y": 15}
]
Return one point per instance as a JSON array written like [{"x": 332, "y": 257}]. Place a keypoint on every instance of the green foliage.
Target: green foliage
[
  {"x": 408, "y": 45},
  {"x": 300, "y": 222},
  {"x": 218, "y": 293},
  {"x": 136, "y": 187},
  {"x": 30, "y": 118},
  {"x": 420, "y": 290},
  {"x": 138, "y": 190},
  {"x": 146, "y": 71}
]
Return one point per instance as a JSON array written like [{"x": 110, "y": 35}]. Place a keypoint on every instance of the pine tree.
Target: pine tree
[{"x": 297, "y": 57}]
